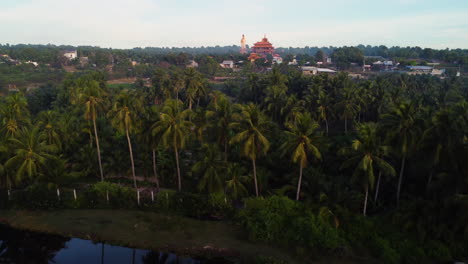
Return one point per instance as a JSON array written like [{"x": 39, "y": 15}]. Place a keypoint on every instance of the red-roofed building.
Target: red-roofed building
[{"x": 263, "y": 47}]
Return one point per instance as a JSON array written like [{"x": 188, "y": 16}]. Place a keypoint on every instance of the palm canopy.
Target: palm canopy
[
  {"x": 173, "y": 125},
  {"x": 209, "y": 168},
  {"x": 124, "y": 112},
  {"x": 251, "y": 125},
  {"x": 402, "y": 126},
  {"x": 367, "y": 154},
  {"x": 14, "y": 114},
  {"x": 91, "y": 95},
  {"x": 31, "y": 154},
  {"x": 48, "y": 121},
  {"x": 301, "y": 139},
  {"x": 221, "y": 114}
]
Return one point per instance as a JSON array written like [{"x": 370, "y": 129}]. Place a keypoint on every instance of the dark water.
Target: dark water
[{"x": 18, "y": 246}]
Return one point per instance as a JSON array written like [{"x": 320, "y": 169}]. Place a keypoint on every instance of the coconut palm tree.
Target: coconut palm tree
[
  {"x": 90, "y": 94},
  {"x": 209, "y": 167},
  {"x": 301, "y": 142},
  {"x": 251, "y": 125},
  {"x": 194, "y": 86},
  {"x": 124, "y": 117},
  {"x": 401, "y": 124},
  {"x": 151, "y": 116},
  {"x": 48, "y": 123},
  {"x": 235, "y": 186},
  {"x": 222, "y": 114},
  {"x": 14, "y": 114},
  {"x": 347, "y": 105},
  {"x": 31, "y": 154},
  {"x": 367, "y": 155},
  {"x": 174, "y": 129}
]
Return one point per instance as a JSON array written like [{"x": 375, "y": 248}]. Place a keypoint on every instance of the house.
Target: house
[
  {"x": 33, "y": 63},
  {"x": 227, "y": 64},
  {"x": 70, "y": 54},
  {"x": 420, "y": 69},
  {"x": 277, "y": 59},
  {"x": 309, "y": 70},
  {"x": 192, "y": 64}
]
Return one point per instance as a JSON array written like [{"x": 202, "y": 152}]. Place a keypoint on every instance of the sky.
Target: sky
[{"x": 182, "y": 23}]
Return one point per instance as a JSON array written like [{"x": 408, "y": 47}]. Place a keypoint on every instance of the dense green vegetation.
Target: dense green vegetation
[{"x": 378, "y": 166}]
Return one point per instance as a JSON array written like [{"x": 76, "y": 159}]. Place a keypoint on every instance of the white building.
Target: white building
[
  {"x": 309, "y": 70},
  {"x": 227, "y": 64},
  {"x": 277, "y": 59},
  {"x": 192, "y": 64},
  {"x": 70, "y": 54}
]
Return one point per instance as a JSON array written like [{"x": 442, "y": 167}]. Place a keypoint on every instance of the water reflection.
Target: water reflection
[{"x": 28, "y": 247}]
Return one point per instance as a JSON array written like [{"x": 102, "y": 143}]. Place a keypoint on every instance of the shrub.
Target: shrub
[{"x": 282, "y": 220}]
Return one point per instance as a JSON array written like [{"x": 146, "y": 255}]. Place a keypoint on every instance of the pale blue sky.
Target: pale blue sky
[{"x": 297, "y": 23}]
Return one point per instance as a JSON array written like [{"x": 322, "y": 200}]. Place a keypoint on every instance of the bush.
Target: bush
[{"x": 282, "y": 220}]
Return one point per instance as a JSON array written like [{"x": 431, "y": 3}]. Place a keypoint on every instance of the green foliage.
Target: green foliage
[{"x": 281, "y": 220}]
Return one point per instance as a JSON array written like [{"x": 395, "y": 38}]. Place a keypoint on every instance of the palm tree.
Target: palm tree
[
  {"x": 124, "y": 116},
  {"x": 222, "y": 116},
  {"x": 152, "y": 141},
  {"x": 174, "y": 129},
  {"x": 194, "y": 86},
  {"x": 31, "y": 154},
  {"x": 401, "y": 124},
  {"x": 251, "y": 125},
  {"x": 48, "y": 123},
  {"x": 209, "y": 166},
  {"x": 91, "y": 95},
  {"x": 14, "y": 114},
  {"x": 367, "y": 155},
  {"x": 301, "y": 141},
  {"x": 235, "y": 186},
  {"x": 348, "y": 105}
]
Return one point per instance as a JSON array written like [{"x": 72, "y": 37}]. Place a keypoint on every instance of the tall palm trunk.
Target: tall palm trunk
[
  {"x": 98, "y": 149},
  {"x": 255, "y": 176},
  {"x": 179, "y": 184},
  {"x": 154, "y": 170},
  {"x": 403, "y": 160},
  {"x": 364, "y": 211},
  {"x": 377, "y": 187},
  {"x": 225, "y": 150},
  {"x": 326, "y": 126},
  {"x": 131, "y": 158},
  {"x": 299, "y": 183},
  {"x": 346, "y": 125}
]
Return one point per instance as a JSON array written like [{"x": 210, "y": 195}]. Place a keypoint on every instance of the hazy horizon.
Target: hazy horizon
[{"x": 124, "y": 24}]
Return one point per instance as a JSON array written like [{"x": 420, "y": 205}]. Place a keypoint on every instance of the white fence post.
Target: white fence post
[
  {"x": 138, "y": 197},
  {"x": 107, "y": 196},
  {"x": 152, "y": 196},
  {"x": 74, "y": 194},
  {"x": 58, "y": 194}
]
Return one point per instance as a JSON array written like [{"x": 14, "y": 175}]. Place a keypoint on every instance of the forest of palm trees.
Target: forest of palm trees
[{"x": 391, "y": 147}]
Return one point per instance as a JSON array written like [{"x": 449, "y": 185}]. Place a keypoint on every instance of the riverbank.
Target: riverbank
[{"x": 149, "y": 230}]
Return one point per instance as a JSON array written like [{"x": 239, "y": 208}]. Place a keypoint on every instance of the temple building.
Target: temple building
[{"x": 261, "y": 49}]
